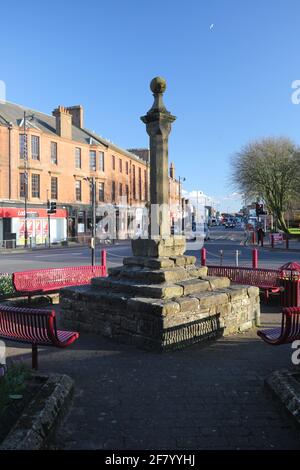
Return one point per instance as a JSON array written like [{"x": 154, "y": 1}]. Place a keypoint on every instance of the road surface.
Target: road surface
[{"x": 221, "y": 239}]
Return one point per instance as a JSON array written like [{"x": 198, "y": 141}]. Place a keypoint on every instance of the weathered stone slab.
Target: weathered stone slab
[
  {"x": 153, "y": 276},
  {"x": 154, "y": 263},
  {"x": 208, "y": 299},
  {"x": 172, "y": 246},
  {"x": 157, "y": 307},
  {"x": 217, "y": 282},
  {"x": 193, "y": 285},
  {"x": 187, "y": 304}
]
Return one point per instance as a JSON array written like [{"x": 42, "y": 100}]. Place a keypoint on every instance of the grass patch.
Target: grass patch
[
  {"x": 13, "y": 384},
  {"x": 6, "y": 285}
]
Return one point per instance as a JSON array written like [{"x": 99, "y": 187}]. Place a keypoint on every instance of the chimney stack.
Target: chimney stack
[
  {"x": 77, "y": 115},
  {"x": 63, "y": 122},
  {"x": 172, "y": 171}
]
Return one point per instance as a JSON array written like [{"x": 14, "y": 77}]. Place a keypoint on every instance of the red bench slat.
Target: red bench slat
[
  {"x": 35, "y": 326},
  {"x": 265, "y": 279},
  {"x": 289, "y": 330},
  {"x": 52, "y": 279}
]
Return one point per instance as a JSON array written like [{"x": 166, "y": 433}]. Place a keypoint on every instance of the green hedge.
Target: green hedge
[{"x": 6, "y": 285}]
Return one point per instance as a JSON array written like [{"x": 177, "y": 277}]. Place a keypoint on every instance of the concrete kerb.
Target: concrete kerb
[
  {"x": 284, "y": 385},
  {"x": 42, "y": 415}
]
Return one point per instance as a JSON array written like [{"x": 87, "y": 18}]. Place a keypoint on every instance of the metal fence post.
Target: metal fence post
[
  {"x": 203, "y": 256},
  {"x": 255, "y": 258}
]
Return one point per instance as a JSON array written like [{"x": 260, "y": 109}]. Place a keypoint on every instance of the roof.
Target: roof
[{"x": 14, "y": 114}]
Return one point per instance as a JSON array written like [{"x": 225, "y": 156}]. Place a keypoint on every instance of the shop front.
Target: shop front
[{"x": 13, "y": 225}]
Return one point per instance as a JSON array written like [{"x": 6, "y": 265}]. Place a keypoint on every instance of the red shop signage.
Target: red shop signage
[{"x": 11, "y": 212}]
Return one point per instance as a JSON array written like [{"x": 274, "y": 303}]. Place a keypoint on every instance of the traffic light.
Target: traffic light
[
  {"x": 259, "y": 209},
  {"x": 51, "y": 207}
]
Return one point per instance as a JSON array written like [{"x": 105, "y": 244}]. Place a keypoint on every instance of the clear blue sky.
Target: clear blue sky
[{"x": 227, "y": 84}]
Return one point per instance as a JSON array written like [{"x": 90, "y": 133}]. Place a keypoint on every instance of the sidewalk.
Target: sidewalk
[
  {"x": 208, "y": 396},
  {"x": 21, "y": 250}
]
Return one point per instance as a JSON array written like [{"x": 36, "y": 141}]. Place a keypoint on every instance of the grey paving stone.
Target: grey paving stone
[{"x": 209, "y": 396}]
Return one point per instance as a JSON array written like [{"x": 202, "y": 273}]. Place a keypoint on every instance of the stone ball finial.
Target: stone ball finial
[{"x": 158, "y": 85}]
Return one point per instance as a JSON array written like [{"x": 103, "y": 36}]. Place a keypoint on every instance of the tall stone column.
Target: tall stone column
[{"x": 158, "y": 125}]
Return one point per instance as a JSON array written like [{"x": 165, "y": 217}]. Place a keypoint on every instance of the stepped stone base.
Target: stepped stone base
[{"x": 160, "y": 302}]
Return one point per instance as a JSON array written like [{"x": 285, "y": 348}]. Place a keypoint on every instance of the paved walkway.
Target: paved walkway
[{"x": 209, "y": 396}]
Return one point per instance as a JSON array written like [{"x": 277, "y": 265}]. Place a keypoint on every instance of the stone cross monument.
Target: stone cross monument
[
  {"x": 159, "y": 299},
  {"x": 158, "y": 125}
]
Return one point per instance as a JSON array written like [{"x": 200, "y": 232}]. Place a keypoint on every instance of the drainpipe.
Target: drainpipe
[{"x": 10, "y": 126}]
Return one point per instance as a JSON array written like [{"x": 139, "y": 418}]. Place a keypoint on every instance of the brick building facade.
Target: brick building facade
[{"x": 61, "y": 157}]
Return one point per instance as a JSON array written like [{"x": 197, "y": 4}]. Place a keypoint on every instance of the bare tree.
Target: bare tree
[{"x": 269, "y": 169}]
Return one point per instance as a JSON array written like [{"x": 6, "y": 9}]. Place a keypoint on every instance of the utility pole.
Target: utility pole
[
  {"x": 92, "y": 186},
  {"x": 25, "y": 155}
]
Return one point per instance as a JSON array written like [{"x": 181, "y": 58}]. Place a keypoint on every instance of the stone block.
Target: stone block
[
  {"x": 246, "y": 326},
  {"x": 208, "y": 299},
  {"x": 217, "y": 282},
  {"x": 253, "y": 291},
  {"x": 190, "y": 260},
  {"x": 188, "y": 304},
  {"x": 156, "y": 248},
  {"x": 191, "y": 286},
  {"x": 178, "y": 260},
  {"x": 159, "y": 263}
]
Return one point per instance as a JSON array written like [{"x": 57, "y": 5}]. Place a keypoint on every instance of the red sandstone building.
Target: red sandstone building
[{"x": 60, "y": 158}]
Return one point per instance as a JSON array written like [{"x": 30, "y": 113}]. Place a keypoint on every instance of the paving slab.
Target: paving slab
[{"x": 208, "y": 396}]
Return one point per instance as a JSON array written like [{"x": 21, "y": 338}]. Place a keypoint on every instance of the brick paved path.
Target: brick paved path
[{"x": 208, "y": 396}]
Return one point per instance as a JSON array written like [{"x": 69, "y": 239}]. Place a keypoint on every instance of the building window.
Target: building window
[
  {"x": 78, "y": 190},
  {"x": 101, "y": 192},
  {"x": 101, "y": 161},
  {"x": 54, "y": 187},
  {"x": 35, "y": 185},
  {"x": 22, "y": 185},
  {"x": 140, "y": 184},
  {"x": 113, "y": 191},
  {"x": 127, "y": 168},
  {"x": 92, "y": 160},
  {"x": 35, "y": 147},
  {"x": 127, "y": 193},
  {"x": 54, "y": 153},
  {"x": 133, "y": 183},
  {"x": 77, "y": 157},
  {"x": 120, "y": 190},
  {"x": 120, "y": 165},
  {"x": 22, "y": 140},
  {"x": 113, "y": 162}
]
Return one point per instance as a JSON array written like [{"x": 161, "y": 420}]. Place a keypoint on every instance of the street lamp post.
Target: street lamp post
[{"x": 92, "y": 183}]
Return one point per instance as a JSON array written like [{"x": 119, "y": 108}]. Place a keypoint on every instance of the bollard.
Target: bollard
[
  {"x": 237, "y": 258},
  {"x": 286, "y": 241},
  {"x": 103, "y": 262},
  {"x": 203, "y": 256},
  {"x": 221, "y": 257},
  {"x": 272, "y": 241},
  {"x": 255, "y": 258}
]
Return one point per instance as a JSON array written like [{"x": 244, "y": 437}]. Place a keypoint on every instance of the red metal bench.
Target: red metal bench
[
  {"x": 266, "y": 279},
  {"x": 39, "y": 281},
  {"x": 289, "y": 330},
  {"x": 35, "y": 326}
]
